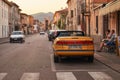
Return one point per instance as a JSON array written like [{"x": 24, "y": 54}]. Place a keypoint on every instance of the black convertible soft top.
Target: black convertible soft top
[{"x": 69, "y": 33}]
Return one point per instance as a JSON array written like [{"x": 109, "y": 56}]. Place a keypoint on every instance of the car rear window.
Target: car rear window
[
  {"x": 16, "y": 33},
  {"x": 71, "y": 33}
]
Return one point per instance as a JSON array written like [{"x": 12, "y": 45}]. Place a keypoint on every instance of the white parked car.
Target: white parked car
[
  {"x": 17, "y": 36},
  {"x": 42, "y": 32}
]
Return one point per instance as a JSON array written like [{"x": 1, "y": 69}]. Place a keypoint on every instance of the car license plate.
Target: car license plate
[
  {"x": 75, "y": 47},
  {"x": 15, "y": 38}
]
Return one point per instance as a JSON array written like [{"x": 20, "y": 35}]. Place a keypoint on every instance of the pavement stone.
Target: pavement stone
[
  {"x": 4, "y": 40},
  {"x": 112, "y": 60}
]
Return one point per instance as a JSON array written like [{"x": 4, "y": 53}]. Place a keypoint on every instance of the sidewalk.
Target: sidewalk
[
  {"x": 112, "y": 60},
  {"x": 4, "y": 40}
]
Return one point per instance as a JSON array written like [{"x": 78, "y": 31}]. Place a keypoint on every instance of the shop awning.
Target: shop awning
[{"x": 110, "y": 7}]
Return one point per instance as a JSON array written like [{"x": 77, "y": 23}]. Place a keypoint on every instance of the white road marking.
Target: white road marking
[
  {"x": 76, "y": 70},
  {"x": 52, "y": 63},
  {"x": 30, "y": 76},
  {"x": 2, "y": 75},
  {"x": 65, "y": 76},
  {"x": 100, "y": 76}
]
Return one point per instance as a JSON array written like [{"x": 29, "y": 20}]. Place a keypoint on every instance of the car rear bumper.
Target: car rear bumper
[
  {"x": 16, "y": 39},
  {"x": 74, "y": 53}
]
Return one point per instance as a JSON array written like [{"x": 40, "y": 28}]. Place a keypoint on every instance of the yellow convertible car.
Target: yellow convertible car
[{"x": 73, "y": 43}]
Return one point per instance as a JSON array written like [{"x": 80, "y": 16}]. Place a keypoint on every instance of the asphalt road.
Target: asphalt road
[{"x": 33, "y": 60}]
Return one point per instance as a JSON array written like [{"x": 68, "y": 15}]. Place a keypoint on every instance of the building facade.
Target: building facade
[
  {"x": 111, "y": 15},
  {"x": 4, "y": 18},
  {"x": 15, "y": 14},
  {"x": 99, "y": 23},
  {"x": 10, "y": 18},
  {"x": 24, "y": 19},
  {"x": 94, "y": 16},
  {"x": 73, "y": 17},
  {"x": 31, "y": 22},
  {"x": 59, "y": 19}
]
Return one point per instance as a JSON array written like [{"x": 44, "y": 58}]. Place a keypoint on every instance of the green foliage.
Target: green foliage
[{"x": 59, "y": 24}]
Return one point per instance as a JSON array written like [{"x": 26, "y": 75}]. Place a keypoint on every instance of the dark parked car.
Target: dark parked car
[
  {"x": 56, "y": 33},
  {"x": 50, "y": 34}
]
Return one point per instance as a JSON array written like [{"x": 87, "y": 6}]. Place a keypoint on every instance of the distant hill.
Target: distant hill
[{"x": 41, "y": 16}]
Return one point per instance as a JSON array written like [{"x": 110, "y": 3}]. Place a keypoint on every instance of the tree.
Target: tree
[{"x": 59, "y": 24}]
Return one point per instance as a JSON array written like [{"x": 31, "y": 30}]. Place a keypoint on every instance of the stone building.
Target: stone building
[
  {"x": 98, "y": 22},
  {"x": 110, "y": 15},
  {"x": 24, "y": 19},
  {"x": 94, "y": 17},
  {"x": 31, "y": 22},
  {"x": 73, "y": 17},
  {"x": 15, "y": 15},
  {"x": 59, "y": 19},
  {"x": 4, "y": 18}
]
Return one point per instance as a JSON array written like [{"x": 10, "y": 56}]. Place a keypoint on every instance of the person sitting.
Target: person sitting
[
  {"x": 112, "y": 40},
  {"x": 107, "y": 41},
  {"x": 107, "y": 37}
]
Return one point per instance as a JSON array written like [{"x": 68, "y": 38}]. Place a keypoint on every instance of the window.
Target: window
[
  {"x": 78, "y": 19},
  {"x": 96, "y": 24},
  {"x": 71, "y": 13},
  {"x": 2, "y": 30},
  {"x": 105, "y": 24},
  {"x": 2, "y": 13},
  {"x": 75, "y": 11}
]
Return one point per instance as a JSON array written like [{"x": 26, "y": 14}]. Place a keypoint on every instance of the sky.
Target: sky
[{"x": 36, "y": 6}]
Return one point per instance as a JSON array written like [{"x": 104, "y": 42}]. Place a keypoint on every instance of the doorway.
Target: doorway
[
  {"x": 105, "y": 24},
  {"x": 118, "y": 23}
]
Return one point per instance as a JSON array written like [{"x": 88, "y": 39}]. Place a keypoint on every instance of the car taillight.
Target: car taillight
[
  {"x": 74, "y": 42},
  {"x": 88, "y": 42},
  {"x": 84, "y": 42},
  {"x": 59, "y": 42}
]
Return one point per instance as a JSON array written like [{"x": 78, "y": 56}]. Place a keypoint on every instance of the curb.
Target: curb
[
  {"x": 4, "y": 42},
  {"x": 7, "y": 41},
  {"x": 108, "y": 63}
]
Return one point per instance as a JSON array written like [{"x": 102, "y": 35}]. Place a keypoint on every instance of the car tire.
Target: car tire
[
  {"x": 21, "y": 41},
  {"x": 50, "y": 39},
  {"x": 56, "y": 59},
  {"x": 10, "y": 41},
  {"x": 90, "y": 59}
]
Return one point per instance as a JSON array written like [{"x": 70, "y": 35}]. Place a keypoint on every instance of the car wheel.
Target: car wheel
[
  {"x": 10, "y": 41},
  {"x": 56, "y": 59},
  {"x": 21, "y": 41},
  {"x": 49, "y": 39},
  {"x": 91, "y": 59}
]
